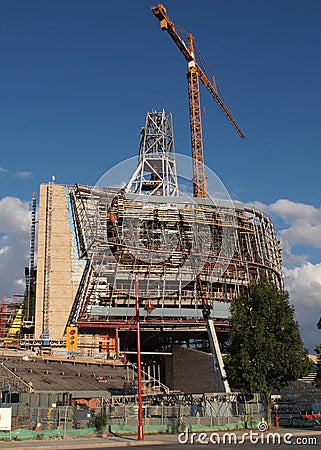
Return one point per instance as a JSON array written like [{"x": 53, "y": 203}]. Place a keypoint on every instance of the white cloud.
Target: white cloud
[
  {"x": 304, "y": 286},
  {"x": 14, "y": 216},
  {"x": 258, "y": 205},
  {"x": 299, "y": 224},
  {"x": 14, "y": 243},
  {"x": 24, "y": 174},
  {"x": 20, "y": 284},
  {"x": 4, "y": 250},
  {"x": 303, "y": 222}
]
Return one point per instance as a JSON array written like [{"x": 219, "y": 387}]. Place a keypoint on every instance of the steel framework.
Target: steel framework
[
  {"x": 30, "y": 271},
  {"x": 47, "y": 267},
  {"x": 121, "y": 235},
  {"x": 156, "y": 170},
  {"x": 190, "y": 254}
]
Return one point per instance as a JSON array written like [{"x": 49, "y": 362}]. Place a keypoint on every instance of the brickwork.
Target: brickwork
[{"x": 191, "y": 371}]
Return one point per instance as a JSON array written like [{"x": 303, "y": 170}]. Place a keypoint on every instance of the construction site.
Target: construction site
[
  {"x": 109, "y": 263},
  {"x": 98, "y": 249}
]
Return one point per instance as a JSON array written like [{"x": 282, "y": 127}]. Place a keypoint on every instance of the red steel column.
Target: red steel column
[{"x": 140, "y": 436}]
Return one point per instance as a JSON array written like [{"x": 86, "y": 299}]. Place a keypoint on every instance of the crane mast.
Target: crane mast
[
  {"x": 195, "y": 118},
  {"x": 194, "y": 75}
]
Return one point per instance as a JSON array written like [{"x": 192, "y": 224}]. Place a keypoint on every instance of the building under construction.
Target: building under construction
[
  {"x": 146, "y": 251},
  {"x": 184, "y": 258}
]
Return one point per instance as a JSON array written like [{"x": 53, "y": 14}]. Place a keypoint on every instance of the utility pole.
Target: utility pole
[{"x": 140, "y": 436}]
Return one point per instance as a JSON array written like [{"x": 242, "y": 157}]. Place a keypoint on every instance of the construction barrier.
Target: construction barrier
[{"x": 23, "y": 434}]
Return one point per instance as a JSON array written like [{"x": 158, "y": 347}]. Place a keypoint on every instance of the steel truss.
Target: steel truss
[
  {"x": 168, "y": 244},
  {"x": 156, "y": 170}
]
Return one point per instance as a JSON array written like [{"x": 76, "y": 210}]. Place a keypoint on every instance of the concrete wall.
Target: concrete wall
[{"x": 57, "y": 254}]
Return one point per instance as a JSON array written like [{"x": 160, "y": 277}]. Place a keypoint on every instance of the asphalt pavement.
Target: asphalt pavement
[{"x": 307, "y": 437}]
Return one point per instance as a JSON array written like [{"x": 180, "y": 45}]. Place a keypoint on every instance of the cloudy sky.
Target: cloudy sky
[{"x": 78, "y": 77}]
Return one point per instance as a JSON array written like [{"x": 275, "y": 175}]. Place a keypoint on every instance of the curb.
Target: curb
[{"x": 78, "y": 445}]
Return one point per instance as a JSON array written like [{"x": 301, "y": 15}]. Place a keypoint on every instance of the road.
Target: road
[
  {"x": 309, "y": 439},
  {"x": 225, "y": 447}
]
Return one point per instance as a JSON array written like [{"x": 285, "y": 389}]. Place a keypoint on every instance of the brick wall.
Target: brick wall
[{"x": 192, "y": 371}]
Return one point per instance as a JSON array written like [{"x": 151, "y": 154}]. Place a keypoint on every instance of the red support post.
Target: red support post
[
  {"x": 277, "y": 419},
  {"x": 140, "y": 436}
]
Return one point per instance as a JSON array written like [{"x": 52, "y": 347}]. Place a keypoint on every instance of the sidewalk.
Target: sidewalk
[
  {"x": 130, "y": 441},
  {"x": 89, "y": 443}
]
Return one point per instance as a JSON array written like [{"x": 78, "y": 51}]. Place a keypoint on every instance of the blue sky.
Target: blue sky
[{"x": 77, "y": 78}]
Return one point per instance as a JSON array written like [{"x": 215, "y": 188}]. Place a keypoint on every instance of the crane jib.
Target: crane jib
[{"x": 195, "y": 72}]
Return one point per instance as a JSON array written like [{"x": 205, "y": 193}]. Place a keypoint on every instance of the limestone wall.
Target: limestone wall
[{"x": 57, "y": 256}]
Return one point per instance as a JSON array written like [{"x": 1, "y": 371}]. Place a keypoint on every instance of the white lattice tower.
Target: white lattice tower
[{"x": 155, "y": 173}]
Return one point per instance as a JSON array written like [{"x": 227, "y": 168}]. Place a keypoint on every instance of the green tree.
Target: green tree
[
  {"x": 101, "y": 421},
  {"x": 265, "y": 347}
]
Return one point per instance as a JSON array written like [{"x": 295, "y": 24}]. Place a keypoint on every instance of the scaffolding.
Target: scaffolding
[
  {"x": 167, "y": 243},
  {"x": 47, "y": 267},
  {"x": 11, "y": 315},
  {"x": 191, "y": 257},
  {"x": 174, "y": 243},
  {"x": 30, "y": 273}
]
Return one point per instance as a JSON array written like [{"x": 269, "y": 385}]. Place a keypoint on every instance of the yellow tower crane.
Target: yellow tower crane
[{"x": 194, "y": 74}]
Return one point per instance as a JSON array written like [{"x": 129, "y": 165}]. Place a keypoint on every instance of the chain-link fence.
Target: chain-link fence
[{"x": 172, "y": 411}]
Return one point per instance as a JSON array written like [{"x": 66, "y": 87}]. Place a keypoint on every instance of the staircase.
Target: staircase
[{"x": 150, "y": 385}]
